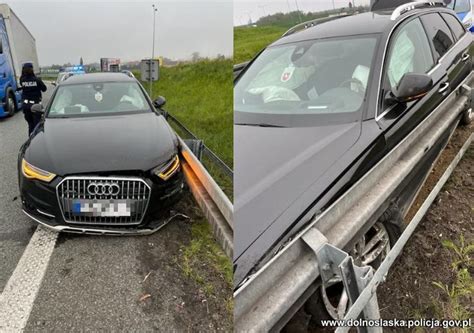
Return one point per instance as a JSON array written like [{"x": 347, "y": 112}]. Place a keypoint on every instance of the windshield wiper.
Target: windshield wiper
[{"x": 259, "y": 125}]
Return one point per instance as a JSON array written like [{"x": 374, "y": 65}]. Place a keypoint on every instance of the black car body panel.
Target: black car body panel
[
  {"x": 289, "y": 187},
  {"x": 122, "y": 146},
  {"x": 101, "y": 144},
  {"x": 280, "y": 173}
]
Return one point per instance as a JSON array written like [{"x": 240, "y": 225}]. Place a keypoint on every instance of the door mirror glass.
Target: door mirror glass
[
  {"x": 412, "y": 87},
  {"x": 159, "y": 102},
  {"x": 37, "y": 108}
]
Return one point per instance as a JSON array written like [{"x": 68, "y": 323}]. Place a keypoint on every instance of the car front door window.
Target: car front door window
[{"x": 409, "y": 53}]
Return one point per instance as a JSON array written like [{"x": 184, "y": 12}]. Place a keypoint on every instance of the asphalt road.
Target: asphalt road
[
  {"x": 95, "y": 283},
  {"x": 15, "y": 227}
]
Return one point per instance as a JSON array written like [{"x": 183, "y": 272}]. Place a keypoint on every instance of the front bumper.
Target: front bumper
[
  {"x": 40, "y": 203},
  {"x": 96, "y": 230}
]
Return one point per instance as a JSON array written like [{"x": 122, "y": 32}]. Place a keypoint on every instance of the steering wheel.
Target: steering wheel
[
  {"x": 279, "y": 94},
  {"x": 361, "y": 87},
  {"x": 124, "y": 105}
]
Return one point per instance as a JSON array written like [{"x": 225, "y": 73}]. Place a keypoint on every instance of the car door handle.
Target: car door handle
[
  {"x": 444, "y": 87},
  {"x": 465, "y": 57}
]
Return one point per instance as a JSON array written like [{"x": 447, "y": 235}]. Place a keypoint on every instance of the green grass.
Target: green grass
[
  {"x": 200, "y": 96},
  {"x": 203, "y": 249},
  {"x": 248, "y": 41},
  {"x": 457, "y": 296}
]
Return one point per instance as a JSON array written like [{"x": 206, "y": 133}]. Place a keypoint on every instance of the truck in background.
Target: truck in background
[
  {"x": 109, "y": 65},
  {"x": 17, "y": 47}
]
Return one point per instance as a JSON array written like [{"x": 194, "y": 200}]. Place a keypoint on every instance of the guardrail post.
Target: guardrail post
[
  {"x": 336, "y": 264},
  {"x": 196, "y": 146}
]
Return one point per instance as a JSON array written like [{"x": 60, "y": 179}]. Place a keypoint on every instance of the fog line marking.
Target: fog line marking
[{"x": 19, "y": 294}]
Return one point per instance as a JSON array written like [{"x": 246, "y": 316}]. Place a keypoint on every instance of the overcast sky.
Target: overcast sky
[
  {"x": 66, "y": 30},
  {"x": 243, "y": 9}
]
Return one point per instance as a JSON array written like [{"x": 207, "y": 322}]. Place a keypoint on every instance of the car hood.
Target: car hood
[
  {"x": 275, "y": 166},
  {"x": 100, "y": 144}
]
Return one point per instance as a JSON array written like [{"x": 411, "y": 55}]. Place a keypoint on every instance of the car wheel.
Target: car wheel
[
  {"x": 466, "y": 117},
  {"x": 371, "y": 249},
  {"x": 10, "y": 105}
]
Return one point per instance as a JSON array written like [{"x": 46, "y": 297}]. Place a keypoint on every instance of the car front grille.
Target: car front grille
[{"x": 106, "y": 198}]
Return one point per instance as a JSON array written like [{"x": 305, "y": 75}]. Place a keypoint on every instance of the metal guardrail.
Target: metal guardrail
[
  {"x": 202, "y": 149},
  {"x": 216, "y": 206},
  {"x": 269, "y": 298},
  {"x": 368, "y": 293},
  {"x": 210, "y": 197}
]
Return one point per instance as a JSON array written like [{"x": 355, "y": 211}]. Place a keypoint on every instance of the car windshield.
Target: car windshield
[
  {"x": 459, "y": 6},
  {"x": 317, "y": 77},
  {"x": 97, "y": 99}
]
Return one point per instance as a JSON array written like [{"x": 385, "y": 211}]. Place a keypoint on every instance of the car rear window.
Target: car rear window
[
  {"x": 459, "y": 6},
  {"x": 439, "y": 33},
  {"x": 456, "y": 26}
]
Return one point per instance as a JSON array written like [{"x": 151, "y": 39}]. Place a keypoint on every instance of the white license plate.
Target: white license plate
[{"x": 104, "y": 208}]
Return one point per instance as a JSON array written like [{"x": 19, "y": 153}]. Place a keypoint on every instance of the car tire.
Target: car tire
[
  {"x": 393, "y": 223},
  {"x": 466, "y": 117},
  {"x": 10, "y": 105}
]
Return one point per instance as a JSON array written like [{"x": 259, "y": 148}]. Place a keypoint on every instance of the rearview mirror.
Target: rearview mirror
[
  {"x": 412, "y": 87},
  {"x": 159, "y": 102},
  {"x": 37, "y": 108}
]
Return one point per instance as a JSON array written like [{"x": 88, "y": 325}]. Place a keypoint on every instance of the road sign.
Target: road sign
[{"x": 145, "y": 69}]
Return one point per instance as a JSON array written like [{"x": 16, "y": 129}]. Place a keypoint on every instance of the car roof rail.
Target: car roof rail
[
  {"x": 402, "y": 9},
  {"x": 67, "y": 76},
  {"x": 311, "y": 23},
  {"x": 128, "y": 73}
]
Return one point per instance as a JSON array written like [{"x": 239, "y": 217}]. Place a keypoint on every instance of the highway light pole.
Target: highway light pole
[
  {"x": 263, "y": 8},
  {"x": 298, "y": 9},
  {"x": 250, "y": 17},
  {"x": 152, "y": 52}
]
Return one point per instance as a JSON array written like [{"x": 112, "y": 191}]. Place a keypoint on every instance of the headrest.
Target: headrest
[{"x": 361, "y": 73}]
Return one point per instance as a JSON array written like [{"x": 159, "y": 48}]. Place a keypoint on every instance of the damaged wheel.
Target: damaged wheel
[
  {"x": 371, "y": 249},
  {"x": 466, "y": 117}
]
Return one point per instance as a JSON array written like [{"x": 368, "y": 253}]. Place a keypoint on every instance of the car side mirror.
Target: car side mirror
[
  {"x": 37, "y": 108},
  {"x": 411, "y": 87},
  {"x": 159, "y": 102}
]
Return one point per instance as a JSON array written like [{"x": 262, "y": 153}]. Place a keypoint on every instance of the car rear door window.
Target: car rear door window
[
  {"x": 439, "y": 33},
  {"x": 456, "y": 26},
  {"x": 460, "y": 6},
  {"x": 409, "y": 52}
]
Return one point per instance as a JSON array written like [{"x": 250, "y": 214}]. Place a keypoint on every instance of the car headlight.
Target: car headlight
[
  {"x": 32, "y": 172},
  {"x": 169, "y": 169}
]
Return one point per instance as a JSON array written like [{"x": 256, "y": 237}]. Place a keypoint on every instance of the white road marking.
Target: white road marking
[{"x": 19, "y": 294}]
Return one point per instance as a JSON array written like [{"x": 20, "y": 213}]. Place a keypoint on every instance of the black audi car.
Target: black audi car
[
  {"x": 319, "y": 107},
  {"x": 103, "y": 159}
]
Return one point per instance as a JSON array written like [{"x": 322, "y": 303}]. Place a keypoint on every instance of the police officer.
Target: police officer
[{"x": 31, "y": 87}]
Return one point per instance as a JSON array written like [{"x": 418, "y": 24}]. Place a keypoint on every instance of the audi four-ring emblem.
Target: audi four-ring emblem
[{"x": 103, "y": 189}]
